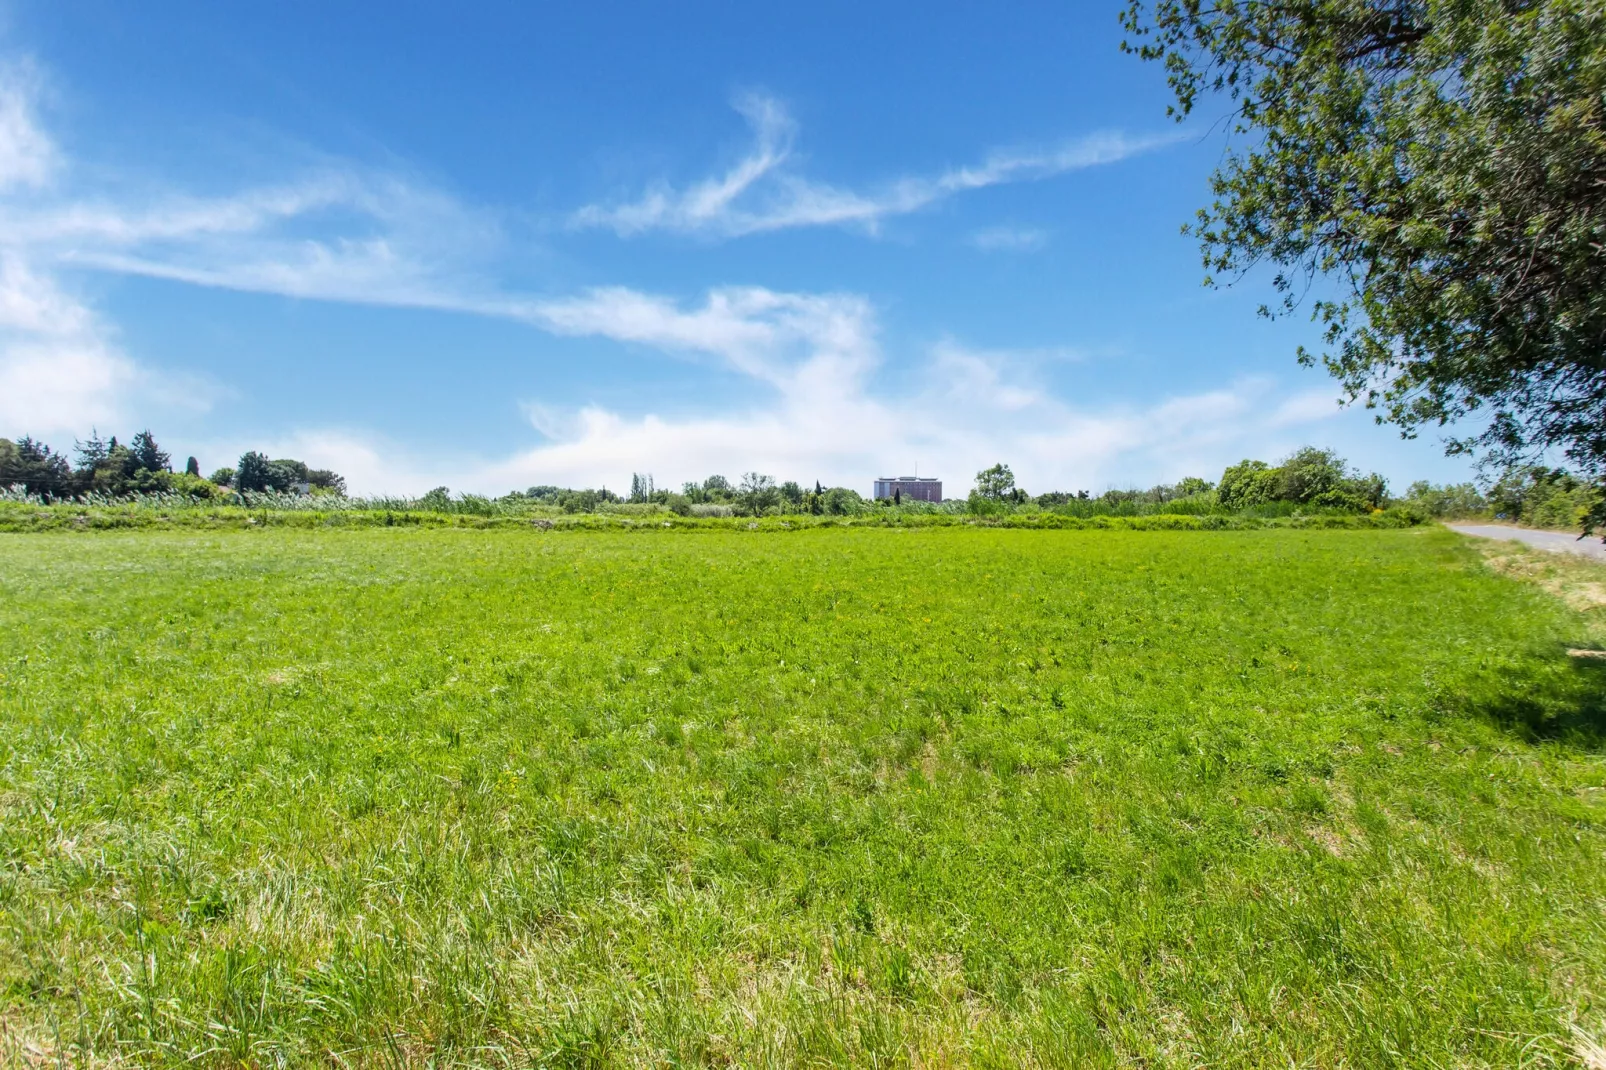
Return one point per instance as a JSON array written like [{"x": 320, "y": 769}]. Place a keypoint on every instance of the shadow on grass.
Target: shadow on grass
[{"x": 1556, "y": 697}]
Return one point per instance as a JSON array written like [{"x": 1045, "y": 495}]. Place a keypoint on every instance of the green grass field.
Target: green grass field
[{"x": 831, "y": 797}]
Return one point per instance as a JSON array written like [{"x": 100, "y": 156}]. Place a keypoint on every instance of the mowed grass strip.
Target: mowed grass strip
[{"x": 822, "y": 798}]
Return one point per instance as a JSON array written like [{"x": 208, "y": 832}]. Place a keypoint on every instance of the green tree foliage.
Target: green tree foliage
[
  {"x": 35, "y": 467},
  {"x": 285, "y": 472},
  {"x": 1545, "y": 498},
  {"x": 104, "y": 467},
  {"x": 1053, "y": 499},
  {"x": 109, "y": 468},
  {"x": 253, "y": 473},
  {"x": 842, "y": 501},
  {"x": 1312, "y": 476},
  {"x": 580, "y": 501},
  {"x": 1436, "y": 169},
  {"x": 997, "y": 482},
  {"x": 1320, "y": 477},
  {"x": 93, "y": 452},
  {"x": 758, "y": 494},
  {"x": 1449, "y": 501},
  {"x": 995, "y": 489},
  {"x": 258, "y": 474},
  {"x": 641, "y": 487},
  {"x": 813, "y": 502},
  {"x": 147, "y": 454},
  {"x": 1189, "y": 487},
  {"x": 1248, "y": 483},
  {"x": 792, "y": 493},
  {"x": 327, "y": 480}
]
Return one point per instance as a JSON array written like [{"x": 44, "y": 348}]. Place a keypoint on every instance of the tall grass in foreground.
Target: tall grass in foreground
[{"x": 879, "y": 798}]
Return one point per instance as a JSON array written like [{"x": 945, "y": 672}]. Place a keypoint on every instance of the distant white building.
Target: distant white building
[{"x": 912, "y": 488}]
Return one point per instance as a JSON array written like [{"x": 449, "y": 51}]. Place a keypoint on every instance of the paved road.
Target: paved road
[{"x": 1558, "y": 541}]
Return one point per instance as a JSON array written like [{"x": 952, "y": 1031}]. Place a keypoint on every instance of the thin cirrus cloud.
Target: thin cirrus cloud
[
  {"x": 56, "y": 363},
  {"x": 824, "y": 408},
  {"x": 379, "y": 240},
  {"x": 28, "y": 157},
  {"x": 1010, "y": 239},
  {"x": 821, "y": 403},
  {"x": 821, "y": 408},
  {"x": 335, "y": 235},
  {"x": 764, "y": 192}
]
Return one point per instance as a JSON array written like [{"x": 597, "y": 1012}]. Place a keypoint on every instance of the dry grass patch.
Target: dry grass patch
[{"x": 1578, "y": 581}]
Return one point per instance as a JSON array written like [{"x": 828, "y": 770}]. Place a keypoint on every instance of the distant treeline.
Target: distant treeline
[
  {"x": 106, "y": 469},
  {"x": 754, "y": 494},
  {"x": 1310, "y": 480}
]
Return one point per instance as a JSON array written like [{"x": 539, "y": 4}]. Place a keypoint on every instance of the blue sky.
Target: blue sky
[{"x": 493, "y": 245}]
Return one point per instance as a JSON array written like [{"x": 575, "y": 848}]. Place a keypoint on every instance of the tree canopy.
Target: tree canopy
[
  {"x": 111, "y": 469},
  {"x": 1433, "y": 174},
  {"x": 758, "y": 493},
  {"x": 1311, "y": 476},
  {"x": 996, "y": 483}
]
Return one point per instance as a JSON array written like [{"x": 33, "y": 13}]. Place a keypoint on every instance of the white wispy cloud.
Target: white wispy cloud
[
  {"x": 28, "y": 157},
  {"x": 821, "y": 401},
  {"x": 58, "y": 369},
  {"x": 825, "y": 406},
  {"x": 770, "y": 336},
  {"x": 1010, "y": 239},
  {"x": 340, "y": 236},
  {"x": 1305, "y": 408},
  {"x": 345, "y": 234},
  {"x": 763, "y": 191},
  {"x": 61, "y": 368}
]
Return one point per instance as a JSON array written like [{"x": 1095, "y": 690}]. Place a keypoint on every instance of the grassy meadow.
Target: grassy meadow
[{"x": 879, "y": 797}]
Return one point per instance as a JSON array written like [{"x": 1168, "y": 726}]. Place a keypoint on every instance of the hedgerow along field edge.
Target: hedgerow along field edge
[{"x": 881, "y": 797}]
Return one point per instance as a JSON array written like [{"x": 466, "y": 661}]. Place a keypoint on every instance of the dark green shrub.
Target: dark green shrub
[
  {"x": 254, "y": 473},
  {"x": 1248, "y": 483}
]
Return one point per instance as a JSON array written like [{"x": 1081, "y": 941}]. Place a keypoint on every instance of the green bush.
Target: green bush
[
  {"x": 1545, "y": 498},
  {"x": 193, "y": 486},
  {"x": 1311, "y": 476},
  {"x": 1248, "y": 483},
  {"x": 1449, "y": 501},
  {"x": 840, "y": 501},
  {"x": 254, "y": 473}
]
